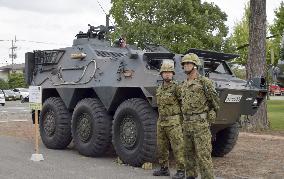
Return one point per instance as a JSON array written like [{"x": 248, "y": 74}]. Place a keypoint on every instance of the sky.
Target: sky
[{"x": 41, "y": 24}]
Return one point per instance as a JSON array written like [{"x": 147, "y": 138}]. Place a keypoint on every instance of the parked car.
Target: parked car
[
  {"x": 281, "y": 88},
  {"x": 23, "y": 92},
  {"x": 274, "y": 89},
  {"x": 9, "y": 95},
  {"x": 2, "y": 98},
  {"x": 17, "y": 94}
]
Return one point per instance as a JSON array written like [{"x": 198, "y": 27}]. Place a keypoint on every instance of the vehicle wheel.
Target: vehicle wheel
[
  {"x": 225, "y": 141},
  {"x": 134, "y": 132},
  {"x": 91, "y": 127},
  {"x": 55, "y": 124},
  {"x": 3, "y": 104}
]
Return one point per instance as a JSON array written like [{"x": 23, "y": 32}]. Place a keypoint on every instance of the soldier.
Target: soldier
[
  {"x": 199, "y": 104},
  {"x": 169, "y": 129}
]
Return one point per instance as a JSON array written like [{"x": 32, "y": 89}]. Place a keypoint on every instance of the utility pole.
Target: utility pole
[{"x": 13, "y": 55}]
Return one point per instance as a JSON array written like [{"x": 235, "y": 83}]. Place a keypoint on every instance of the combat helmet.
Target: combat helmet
[
  {"x": 167, "y": 65},
  {"x": 192, "y": 58}
]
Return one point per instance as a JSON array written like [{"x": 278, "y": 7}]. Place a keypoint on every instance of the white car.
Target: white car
[
  {"x": 24, "y": 92},
  {"x": 2, "y": 98}
]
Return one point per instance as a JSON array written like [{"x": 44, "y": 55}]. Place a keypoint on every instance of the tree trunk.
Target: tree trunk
[{"x": 256, "y": 66}]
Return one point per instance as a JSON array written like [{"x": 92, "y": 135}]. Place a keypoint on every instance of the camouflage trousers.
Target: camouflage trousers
[
  {"x": 169, "y": 134},
  {"x": 198, "y": 148}
]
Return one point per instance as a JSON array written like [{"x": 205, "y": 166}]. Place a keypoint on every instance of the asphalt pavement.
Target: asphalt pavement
[
  {"x": 276, "y": 97},
  {"x": 15, "y": 156},
  {"x": 15, "y": 163},
  {"x": 15, "y": 111}
]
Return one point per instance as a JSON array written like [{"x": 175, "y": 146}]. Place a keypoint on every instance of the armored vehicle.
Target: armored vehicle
[{"x": 100, "y": 94}]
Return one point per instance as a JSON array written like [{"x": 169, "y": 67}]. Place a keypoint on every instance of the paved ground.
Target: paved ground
[
  {"x": 14, "y": 111},
  {"x": 254, "y": 156},
  {"x": 16, "y": 144},
  {"x": 15, "y": 163},
  {"x": 277, "y": 97}
]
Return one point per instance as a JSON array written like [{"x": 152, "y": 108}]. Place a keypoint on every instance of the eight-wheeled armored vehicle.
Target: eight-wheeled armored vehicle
[{"x": 100, "y": 94}]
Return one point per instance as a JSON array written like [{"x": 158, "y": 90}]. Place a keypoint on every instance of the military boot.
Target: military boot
[
  {"x": 163, "y": 171},
  {"x": 179, "y": 175}
]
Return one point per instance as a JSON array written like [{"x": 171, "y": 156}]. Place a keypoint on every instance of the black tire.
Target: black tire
[
  {"x": 3, "y": 104},
  {"x": 55, "y": 124},
  {"x": 225, "y": 141},
  {"x": 139, "y": 147},
  {"x": 91, "y": 127}
]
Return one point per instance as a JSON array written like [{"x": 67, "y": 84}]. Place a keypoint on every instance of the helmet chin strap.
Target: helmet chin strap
[{"x": 167, "y": 80}]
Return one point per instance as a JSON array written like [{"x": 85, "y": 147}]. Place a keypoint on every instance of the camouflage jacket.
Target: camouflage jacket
[
  {"x": 167, "y": 100},
  {"x": 198, "y": 96}
]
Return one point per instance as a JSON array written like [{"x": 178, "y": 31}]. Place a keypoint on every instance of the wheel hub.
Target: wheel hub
[
  {"x": 128, "y": 132},
  {"x": 49, "y": 123},
  {"x": 84, "y": 127}
]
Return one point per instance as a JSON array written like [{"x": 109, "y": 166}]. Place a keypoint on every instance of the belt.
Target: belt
[
  {"x": 163, "y": 118},
  {"x": 195, "y": 117}
]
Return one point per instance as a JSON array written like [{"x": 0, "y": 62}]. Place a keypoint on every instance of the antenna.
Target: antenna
[{"x": 107, "y": 15}]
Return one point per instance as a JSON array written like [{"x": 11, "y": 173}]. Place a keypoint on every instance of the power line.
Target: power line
[
  {"x": 13, "y": 48},
  {"x": 38, "y": 42},
  {"x": 42, "y": 42}
]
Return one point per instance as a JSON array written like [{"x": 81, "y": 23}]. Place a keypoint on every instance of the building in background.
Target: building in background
[{"x": 5, "y": 71}]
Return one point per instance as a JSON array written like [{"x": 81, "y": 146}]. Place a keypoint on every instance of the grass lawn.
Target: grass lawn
[{"x": 276, "y": 114}]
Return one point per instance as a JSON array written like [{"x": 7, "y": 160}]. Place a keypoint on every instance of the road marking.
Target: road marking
[
  {"x": 19, "y": 120},
  {"x": 16, "y": 107},
  {"x": 16, "y": 120},
  {"x": 26, "y": 110}
]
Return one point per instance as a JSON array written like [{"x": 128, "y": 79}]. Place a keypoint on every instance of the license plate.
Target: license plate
[{"x": 233, "y": 98}]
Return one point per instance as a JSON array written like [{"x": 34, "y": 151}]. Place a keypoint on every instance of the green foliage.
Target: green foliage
[
  {"x": 239, "y": 72},
  {"x": 3, "y": 84},
  {"x": 16, "y": 80},
  {"x": 275, "y": 114},
  {"x": 240, "y": 38},
  {"x": 178, "y": 25},
  {"x": 282, "y": 48},
  {"x": 277, "y": 29}
]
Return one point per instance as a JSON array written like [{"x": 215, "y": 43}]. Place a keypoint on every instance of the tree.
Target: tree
[
  {"x": 240, "y": 37},
  {"x": 16, "y": 80},
  {"x": 3, "y": 84},
  {"x": 239, "y": 72},
  {"x": 239, "y": 41},
  {"x": 277, "y": 29},
  {"x": 178, "y": 25},
  {"x": 282, "y": 48},
  {"x": 256, "y": 57}
]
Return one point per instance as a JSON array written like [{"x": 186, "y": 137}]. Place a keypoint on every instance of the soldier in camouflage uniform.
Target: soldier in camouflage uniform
[
  {"x": 169, "y": 129},
  {"x": 199, "y": 104}
]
